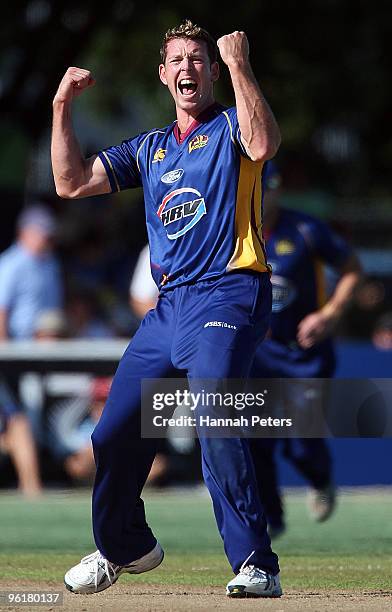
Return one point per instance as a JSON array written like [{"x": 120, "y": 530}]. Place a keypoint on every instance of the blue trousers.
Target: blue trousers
[
  {"x": 310, "y": 456},
  {"x": 175, "y": 334}
]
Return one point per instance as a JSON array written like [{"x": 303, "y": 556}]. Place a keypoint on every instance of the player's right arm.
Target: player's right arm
[
  {"x": 260, "y": 134},
  {"x": 320, "y": 324},
  {"x": 331, "y": 248},
  {"x": 74, "y": 176}
]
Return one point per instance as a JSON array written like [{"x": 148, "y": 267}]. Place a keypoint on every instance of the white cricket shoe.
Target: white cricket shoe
[
  {"x": 95, "y": 573},
  {"x": 254, "y": 582}
]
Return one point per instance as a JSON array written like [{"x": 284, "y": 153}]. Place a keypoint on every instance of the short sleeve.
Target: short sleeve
[
  {"x": 325, "y": 243},
  {"x": 121, "y": 165},
  {"x": 235, "y": 132}
]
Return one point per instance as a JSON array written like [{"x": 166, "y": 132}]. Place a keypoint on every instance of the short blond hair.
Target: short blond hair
[{"x": 189, "y": 30}]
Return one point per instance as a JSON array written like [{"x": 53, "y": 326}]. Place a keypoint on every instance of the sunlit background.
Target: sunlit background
[{"x": 324, "y": 66}]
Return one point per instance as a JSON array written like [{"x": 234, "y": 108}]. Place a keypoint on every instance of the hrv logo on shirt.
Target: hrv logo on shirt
[{"x": 190, "y": 211}]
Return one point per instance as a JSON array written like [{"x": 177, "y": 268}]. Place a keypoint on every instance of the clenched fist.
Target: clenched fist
[
  {"x": 73, "y": 83},
  {"x": 234, "y": 48}
]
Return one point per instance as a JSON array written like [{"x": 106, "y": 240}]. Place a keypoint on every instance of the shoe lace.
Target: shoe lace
[
  {"x": 244, "y": 565},
  {"x": 251, "y": 570},
  {"x": 98, "y": 561}
]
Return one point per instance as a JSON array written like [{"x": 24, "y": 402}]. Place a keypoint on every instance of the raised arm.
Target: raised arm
[
  {"x": 74, "y": 176},
  {"x": 260, "y": 133}
]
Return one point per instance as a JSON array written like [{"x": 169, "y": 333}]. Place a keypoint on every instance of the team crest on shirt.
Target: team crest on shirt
[
  {"x": 284, "y": 247},
  {"x": 159, "y": 155},
  {"x": 198, "y": 142},
  {"x": 180, "y": 210}
]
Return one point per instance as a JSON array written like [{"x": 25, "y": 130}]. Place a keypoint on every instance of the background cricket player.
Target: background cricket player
[
  {"x": 299, "y": 343},
  {"x": 201, "y": 178}
]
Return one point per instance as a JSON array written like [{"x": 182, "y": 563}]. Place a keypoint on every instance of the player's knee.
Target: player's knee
[
  {"x": 102, "y": 439},
  {"x": 111, "y": 438}
]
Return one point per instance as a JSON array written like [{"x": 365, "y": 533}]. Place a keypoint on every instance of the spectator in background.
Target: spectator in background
[
  {"x": 16, "y": 441},
  {"x": 382, "y": 333},
  {"x": 30, "y": 283},
  {"x": 51, "y": 324},
  {"x": 30, "y": 279},
  {"x": 71, "y": 423},
  {"x": 143, "y": 292},
  {"x": 95, "y": 265},
  {"x": 85, "y": 316}
]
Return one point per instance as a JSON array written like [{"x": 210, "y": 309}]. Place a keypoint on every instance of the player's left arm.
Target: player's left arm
[
  {"x": 260, "y": 134},
  {"x": 322, "y": 323}
]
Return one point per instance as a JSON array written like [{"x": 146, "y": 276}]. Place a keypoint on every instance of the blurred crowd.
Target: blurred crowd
[
  {"x": 74, "y": 276},
  {"x": 70, "y": 276},
  {"x": 61, "y": 278},
  {"x": 64, "y": 280}
]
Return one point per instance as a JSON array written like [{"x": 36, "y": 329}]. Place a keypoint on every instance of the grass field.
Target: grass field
[{"x": 351, "y": 552}]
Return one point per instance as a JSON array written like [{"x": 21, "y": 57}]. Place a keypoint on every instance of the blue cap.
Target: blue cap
[{"x": 271, "y": 175}]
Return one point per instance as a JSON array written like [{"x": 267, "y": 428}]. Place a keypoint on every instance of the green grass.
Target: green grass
[{"x": 39, "y": 540}]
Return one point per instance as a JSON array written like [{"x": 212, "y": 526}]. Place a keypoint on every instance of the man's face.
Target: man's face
[
  {"x": 35, "y": 239},
  {"x": 188, "y": 74}
]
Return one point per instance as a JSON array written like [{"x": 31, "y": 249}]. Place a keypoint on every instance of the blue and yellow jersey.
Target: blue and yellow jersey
[
  {"x": 298, "y": 249},
  {"x": 202, "y": 197}
]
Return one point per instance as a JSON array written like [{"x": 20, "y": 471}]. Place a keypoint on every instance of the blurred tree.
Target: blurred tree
[{"x": 324, "y": 65}]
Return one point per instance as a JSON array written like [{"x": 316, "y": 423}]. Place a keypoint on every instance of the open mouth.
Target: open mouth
[{"x": 187, "y": 87}]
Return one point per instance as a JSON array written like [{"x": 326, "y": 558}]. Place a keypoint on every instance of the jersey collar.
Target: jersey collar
[{"x": 204, "y": 116}]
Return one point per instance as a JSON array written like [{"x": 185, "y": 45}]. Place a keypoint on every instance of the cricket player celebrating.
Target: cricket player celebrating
[{"x": 201, "y": 178}]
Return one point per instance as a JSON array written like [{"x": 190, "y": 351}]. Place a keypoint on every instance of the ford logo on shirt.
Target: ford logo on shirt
[
  {"x": 184, "y": 214},
  {"x": 172, "y": 176}
]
